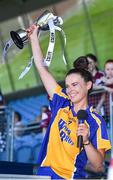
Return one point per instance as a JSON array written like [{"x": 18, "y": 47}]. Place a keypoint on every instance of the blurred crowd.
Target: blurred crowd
[
  {"x": 33, "y": 131},
  {"x": 102, "y": 80}
]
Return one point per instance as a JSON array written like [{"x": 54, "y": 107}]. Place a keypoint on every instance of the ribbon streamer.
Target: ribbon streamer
[
  {"x": 8, "y": 44},
  {"x": 27, "y": 68},
  {"x": 64, "y": 37},
  {"x": 50, "y": 49}
]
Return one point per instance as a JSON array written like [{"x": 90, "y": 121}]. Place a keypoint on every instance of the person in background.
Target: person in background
[
  {"x": 107, "y": 80},
  {"x": 45, "y": 117},
  {"x": 92, "y": 67},
  {"x": 60, "y": 158},
  {"x": 90, "y": 63},
  {"x": 94, "y": 70},
  {"x": 107, "y": 85},
  {"x": 18, "y": 131},
  {"x": 81, "y": 62},
  {"x": 18, "y": 125}
]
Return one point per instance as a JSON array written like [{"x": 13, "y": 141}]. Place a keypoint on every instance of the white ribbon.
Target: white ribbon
[
  {"x": 27, "y": 68},
  {"x": 8, "y": 44},
  {"x": 64, "y": 37},
  {"x": 49, "y": 54}
]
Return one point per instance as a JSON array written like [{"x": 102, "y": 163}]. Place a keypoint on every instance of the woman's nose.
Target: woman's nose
[{"x": 70, "y": 89}]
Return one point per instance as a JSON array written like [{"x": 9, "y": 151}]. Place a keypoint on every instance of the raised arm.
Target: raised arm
[{"x": 46, "y": 77}]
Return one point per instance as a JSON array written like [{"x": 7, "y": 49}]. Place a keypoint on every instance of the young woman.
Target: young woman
[
  {"x": 60, "y": 158},
  {"x": 94, "y": 70},
  {"x": 108, "y": 78},
  {"x": 107, "y": 82}
]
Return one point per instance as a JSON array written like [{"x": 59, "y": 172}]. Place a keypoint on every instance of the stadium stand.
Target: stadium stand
[
  {"x": 27, "y": 146},
  {"x": 29, "y": 108},
  {"x": 24, "y": 154}
]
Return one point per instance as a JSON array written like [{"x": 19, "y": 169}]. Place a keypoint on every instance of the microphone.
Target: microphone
[{"x": 81, "y": 115}]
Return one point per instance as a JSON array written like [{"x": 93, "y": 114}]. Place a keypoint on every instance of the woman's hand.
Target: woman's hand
[
  {"x": 108, "y": 89},
  {"x": 103, "y": 79},
  {"x": 83, "y": 131},
  {"x": 32, "y": 31}
]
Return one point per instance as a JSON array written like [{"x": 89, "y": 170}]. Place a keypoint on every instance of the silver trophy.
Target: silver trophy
[
  {"x": 20, "y": 37},
  {"x": 47, "y": 21}
]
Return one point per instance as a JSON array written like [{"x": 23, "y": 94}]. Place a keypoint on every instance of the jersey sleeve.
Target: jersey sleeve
[
  {"x": 59, "y": 98},
  {"x": 103, "y": 141}
]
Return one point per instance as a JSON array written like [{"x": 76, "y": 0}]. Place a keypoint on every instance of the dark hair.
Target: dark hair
[
  {"x": 44, "y": 108},
  {"x": 81, "y": 62},
  {"x": 108, "y": 61},
  {"x": 18, "y": 115},
  {"x": 85, "y": 74},
  {"x": 92, "y": 57}
]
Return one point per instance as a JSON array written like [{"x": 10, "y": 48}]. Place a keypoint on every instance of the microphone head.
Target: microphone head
[{"x": 82, "y": 114}]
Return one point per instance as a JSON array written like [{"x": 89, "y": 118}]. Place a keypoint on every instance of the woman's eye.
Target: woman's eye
[
  {"x": 72, "y": 85},
  {"x": 75, "y": 84}
]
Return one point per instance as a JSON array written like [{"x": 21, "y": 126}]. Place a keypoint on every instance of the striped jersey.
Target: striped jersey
[{"x": 59, "y": 149}]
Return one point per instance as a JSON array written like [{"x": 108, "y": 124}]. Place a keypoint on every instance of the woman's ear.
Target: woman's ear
[{"x": 89, "y": 85}]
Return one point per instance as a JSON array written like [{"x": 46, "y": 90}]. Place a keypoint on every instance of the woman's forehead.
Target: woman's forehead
[
  {"x": 74, "y": 78},
  {"x": 90, "y": 60},
  {"x": 109, "y": 65}
]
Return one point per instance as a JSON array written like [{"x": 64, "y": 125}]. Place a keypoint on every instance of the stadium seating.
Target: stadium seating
[
  {"x": 29, "y": 108},
  {"x": 36, "y": 150},
  {"x": 24, "y": 154},
  {"x": 31, "y": 144}
]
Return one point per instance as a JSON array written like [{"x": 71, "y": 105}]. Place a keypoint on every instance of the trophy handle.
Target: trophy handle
[{"x": 43, "y": 19}]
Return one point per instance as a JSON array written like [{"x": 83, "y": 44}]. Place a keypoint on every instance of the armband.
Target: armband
[{"x": 87, "y": 143}]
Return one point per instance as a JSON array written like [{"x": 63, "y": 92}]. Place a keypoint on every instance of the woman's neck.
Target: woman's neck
[
  {"x": 80, "y": 105},
  {"x": 94, "y": 72}
]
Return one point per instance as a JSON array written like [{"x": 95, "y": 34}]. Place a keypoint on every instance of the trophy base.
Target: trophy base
[{"x": 17, "y": 39}]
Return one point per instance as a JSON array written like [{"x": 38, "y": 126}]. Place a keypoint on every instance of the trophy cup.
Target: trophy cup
[{"x": 20, "y": 36}]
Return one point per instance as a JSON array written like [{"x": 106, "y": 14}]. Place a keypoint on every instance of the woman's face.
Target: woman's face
[
  {"x": 109, "y": 70},
  {"x": 76, "y": 88},
  {"x": 91, "y": 65}
]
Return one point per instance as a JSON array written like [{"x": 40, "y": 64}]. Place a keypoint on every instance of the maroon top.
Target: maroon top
[
  {"x": 98, "y": 75},
  {"x": 45, "y": 122}
]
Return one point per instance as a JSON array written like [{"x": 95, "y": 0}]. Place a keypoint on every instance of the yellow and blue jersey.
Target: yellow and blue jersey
[{"x": 59, "y": 149}]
